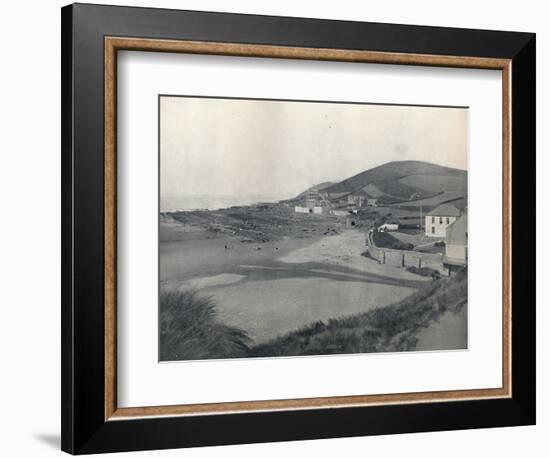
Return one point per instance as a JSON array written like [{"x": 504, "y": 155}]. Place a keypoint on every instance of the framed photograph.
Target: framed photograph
[{"x": 282, "y": 228}]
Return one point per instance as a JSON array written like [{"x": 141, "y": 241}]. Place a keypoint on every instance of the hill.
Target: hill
[
  {"x": 403, "y": 181},
  {"x": 317, "y": 187}
]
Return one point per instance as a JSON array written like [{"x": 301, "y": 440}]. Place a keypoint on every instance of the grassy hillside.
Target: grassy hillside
[
  {"x": 396, "y": 191},
  {"x": 402, "y": 182},
  {"x": 435, "y": 183},
  {"x": 456, "y": 198},
  {"x": 392, "y": 171},
  {"x": 391, "y": 328}
]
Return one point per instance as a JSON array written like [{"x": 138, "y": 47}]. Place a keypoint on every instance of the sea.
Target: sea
[{"x": 173, "y": 202}]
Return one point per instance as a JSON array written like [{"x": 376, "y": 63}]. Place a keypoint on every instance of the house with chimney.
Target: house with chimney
[{"x": 439, "y": 219}]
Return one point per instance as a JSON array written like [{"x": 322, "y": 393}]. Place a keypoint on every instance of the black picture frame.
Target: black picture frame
[{"x": 84, "y": 428}]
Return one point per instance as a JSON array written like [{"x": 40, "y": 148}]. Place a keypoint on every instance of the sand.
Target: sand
[
  {"x": 269, "y": 289},
  {"x": 345, "y": 250},
  {"x": 268, "y": 308}
]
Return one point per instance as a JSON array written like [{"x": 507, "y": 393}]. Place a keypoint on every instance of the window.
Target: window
[
  {"x": 433, "y": 219},
  {"x": 448, "y": 220},
  {"x": 441, "y": 220},
  {"x": 433, "y": 229}
]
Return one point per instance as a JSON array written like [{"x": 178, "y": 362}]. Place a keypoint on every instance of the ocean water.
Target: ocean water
[{"x": 171, "y": 202}]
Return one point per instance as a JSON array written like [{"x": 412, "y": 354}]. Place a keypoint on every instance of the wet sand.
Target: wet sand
[{"x": 202, "y": 254}]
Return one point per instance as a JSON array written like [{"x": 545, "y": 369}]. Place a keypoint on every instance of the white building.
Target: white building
[
  {"x": 339, "y": 212},
  {"x": 316, "y": 209},
  {"x": 312, "y": 202},
  {"x": 388, "y": 227},
  {"x": 437, "y": 221},
  {"x": 456, "y": 244},
  {"x": 300, "y": 209}
]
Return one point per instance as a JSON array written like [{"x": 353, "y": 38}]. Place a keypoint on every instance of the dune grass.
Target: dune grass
[
  {"x": 190, "y": 329},
  {"x": 391, "y": 328}
]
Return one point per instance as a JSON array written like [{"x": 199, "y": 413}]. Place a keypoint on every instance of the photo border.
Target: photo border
[{"x": 115, "y": 44}]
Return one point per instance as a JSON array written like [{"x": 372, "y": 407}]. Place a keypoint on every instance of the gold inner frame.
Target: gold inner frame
[{"x": 114, "y": 44}]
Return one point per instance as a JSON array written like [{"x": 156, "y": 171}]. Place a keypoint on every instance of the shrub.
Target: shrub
[{"x": 189, "y": 329}]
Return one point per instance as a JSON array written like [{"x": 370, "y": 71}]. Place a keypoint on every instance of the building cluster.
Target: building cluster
[
  {"x": 313, "y": 202},
  {"x": 337, "y": 204},
  {"x": 446, "y": 222}
]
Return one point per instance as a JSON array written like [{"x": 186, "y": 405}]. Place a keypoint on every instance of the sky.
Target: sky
[{"x": 235, "y": 148}]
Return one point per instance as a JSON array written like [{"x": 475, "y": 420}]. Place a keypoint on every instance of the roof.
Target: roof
[
  {"x": 445, "y": 210},
  {"x": 457, "y": 233}
]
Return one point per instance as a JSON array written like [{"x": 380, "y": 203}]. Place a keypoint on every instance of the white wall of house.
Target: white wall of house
[
  {"x": 299, "y": 209},
  {"x": 340, "y": 212},
  {"x": 436, "y": 225},
  {"x": 389, "y": 227},
  {"x": 456, "y": 252},
  {"x": 318, "y": 210}
]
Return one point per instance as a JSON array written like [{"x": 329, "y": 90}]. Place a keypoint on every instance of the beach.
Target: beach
[{"x": 271, "y": 288}]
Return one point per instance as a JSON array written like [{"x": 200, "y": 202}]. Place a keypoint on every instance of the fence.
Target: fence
[{"x": 405, "y": 258}]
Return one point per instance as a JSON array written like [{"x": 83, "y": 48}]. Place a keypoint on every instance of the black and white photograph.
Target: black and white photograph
[
  {"x": 296, "y": 228},
  {"x": 275, "y": 229}
]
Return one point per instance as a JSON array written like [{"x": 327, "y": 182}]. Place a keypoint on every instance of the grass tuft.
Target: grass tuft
[{"x": 189, "y": 329}]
